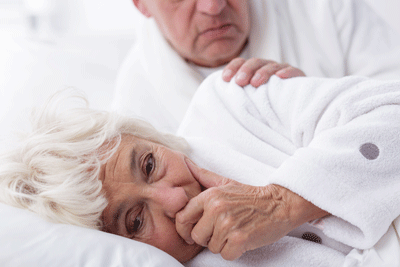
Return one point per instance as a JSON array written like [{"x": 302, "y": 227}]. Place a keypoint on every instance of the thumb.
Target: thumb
[{"x": 205, "y": 177}]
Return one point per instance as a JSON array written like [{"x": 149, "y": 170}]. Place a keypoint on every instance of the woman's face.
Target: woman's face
[{"x": 146, "y": 184}]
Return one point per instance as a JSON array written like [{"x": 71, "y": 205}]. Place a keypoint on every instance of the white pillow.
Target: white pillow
[{"x": 28, "y": 240}]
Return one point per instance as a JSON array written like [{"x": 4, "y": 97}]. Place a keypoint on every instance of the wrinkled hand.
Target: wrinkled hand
[
  {"x": 231, "y": 218},
  {"x": 256, "y": 71}
]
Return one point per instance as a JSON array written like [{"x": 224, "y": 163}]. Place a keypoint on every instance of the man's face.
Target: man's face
[
  {"x": 146, "y": 184},
  {"x": 206, "y": 32}
]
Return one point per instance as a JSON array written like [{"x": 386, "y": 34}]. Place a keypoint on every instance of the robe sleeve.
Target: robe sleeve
[{"x": 347, "y": 161}]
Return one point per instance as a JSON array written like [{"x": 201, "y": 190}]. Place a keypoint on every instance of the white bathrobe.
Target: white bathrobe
[
  {"x": 335, "y": 142},
  {"x": 324, "y": 38}
]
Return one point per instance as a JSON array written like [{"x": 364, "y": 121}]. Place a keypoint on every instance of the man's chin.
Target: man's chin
[{"x": 221, "y": 52}]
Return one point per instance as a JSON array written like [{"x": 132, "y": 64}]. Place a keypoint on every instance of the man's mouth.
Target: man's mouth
[{"x": 216, "y": 32}]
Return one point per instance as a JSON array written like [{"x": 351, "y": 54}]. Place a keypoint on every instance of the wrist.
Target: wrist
[{"x": 299, "y": 209}]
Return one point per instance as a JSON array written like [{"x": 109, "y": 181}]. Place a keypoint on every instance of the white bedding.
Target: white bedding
[{"x": 28, "y": 240}]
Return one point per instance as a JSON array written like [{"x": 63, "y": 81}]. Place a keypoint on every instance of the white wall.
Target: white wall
[
  {"x": 89, "y": 17},
  {"x": 110, "y": 15}
]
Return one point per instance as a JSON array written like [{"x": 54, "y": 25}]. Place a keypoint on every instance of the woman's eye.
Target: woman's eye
[
  {"x": 135, "y": 225},
  {"x": 149, "y": 164}
]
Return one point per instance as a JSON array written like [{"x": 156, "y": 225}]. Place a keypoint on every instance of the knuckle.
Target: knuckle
[
  {"x": 275, "y": 66},
  {"x": 239, "y": 238},
  {"x": 213, "y": 192},
  {"x": 226, "y": 181},
  {"x": 264, "y": 71},
  {"x": 259, "y": 61},
  {"x": 180, "y": 218},
  {"x": 198, "y": 238},
  {"x": 270, "y": 69},
  {"x": 238, "y": 61},
  {"x": 216, "y": 205},
  {"x": 213, "y": 247},
  {"x": 195, "y": 236},
  {"x": 227, "y": 222}
]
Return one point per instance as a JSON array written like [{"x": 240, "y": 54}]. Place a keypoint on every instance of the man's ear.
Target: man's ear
[{"x": 142, "y": 8}]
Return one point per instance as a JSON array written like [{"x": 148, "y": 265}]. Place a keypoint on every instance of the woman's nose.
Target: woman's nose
[
  {"x": 211, "y": 7},
  {"x": 169, "y": 199}
]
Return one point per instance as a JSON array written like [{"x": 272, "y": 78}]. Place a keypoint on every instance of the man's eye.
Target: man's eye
[{"x": 149, "y": 164}]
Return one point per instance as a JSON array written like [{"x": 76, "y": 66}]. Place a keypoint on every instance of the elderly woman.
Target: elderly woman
[{"x": 312, "y": 158}]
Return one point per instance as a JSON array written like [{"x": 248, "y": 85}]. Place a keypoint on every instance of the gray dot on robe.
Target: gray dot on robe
[{"x": 369, "y": 151}]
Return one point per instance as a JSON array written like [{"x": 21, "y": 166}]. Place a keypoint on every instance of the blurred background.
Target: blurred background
[{"x": 47, "y": 45}]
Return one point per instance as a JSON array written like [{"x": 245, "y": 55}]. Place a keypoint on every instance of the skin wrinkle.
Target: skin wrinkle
[
  {"x": 165, "y": 192},
  {"x": 183, "y": 24},
  {"x": 238, "y": 219},
  {"x": 115, "y": 168},
  {"x": 133, "y": 160}
]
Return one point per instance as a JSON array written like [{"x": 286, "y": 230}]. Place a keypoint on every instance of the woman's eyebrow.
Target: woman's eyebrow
[
  {"x": 117, "y": 215},
  {"x": 133, "y": 159}
]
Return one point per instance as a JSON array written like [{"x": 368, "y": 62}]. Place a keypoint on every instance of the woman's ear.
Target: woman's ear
[{"x": 142, "y": 8}]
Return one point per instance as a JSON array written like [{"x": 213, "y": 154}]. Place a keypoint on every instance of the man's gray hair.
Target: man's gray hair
[{"x": 54, "y": 171}]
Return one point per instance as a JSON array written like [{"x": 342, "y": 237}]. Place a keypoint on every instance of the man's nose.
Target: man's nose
[
  {"x": 211, "y": 7},
  {"x": 169, "y": 199}
]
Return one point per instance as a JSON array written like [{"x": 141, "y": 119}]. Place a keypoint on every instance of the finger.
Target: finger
[
  {"x": 219, "y": 236},
  {"x": 206, "y": 178},
  {"x": 264, "y": 73},
  {"x": 216, "y": 246},
  {"x": 231, "y": 69},
  {"x": 289, "y": 72},
  {"x": 188, "y": 217},
  {"x": 203, "y": 230},
  {"x": 234, "y": 247},
  {"x": 248, "y": 69}
]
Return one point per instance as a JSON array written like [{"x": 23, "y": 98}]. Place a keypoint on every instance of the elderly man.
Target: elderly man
[{"x": 184, "y": 41}]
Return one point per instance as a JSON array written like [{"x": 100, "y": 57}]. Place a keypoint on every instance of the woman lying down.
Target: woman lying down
[{"x": 298, "y": 172}]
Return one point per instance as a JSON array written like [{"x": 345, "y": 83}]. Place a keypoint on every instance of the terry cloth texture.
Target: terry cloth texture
[{"x": 334, "y": 142}]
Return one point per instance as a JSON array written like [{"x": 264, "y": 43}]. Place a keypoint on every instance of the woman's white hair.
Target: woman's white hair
[{"x": 54, "y": 171}]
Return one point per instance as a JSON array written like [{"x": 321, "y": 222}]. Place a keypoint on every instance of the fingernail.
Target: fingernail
[
  {"x": 282, "y": 71},
  {"x": 192, "y": 167},
  {"x": 226, "y": 73},
  {"x": 256, "y": 77},
  {"x": 189, "y": 161},
  {"x": 190, "y": 241},
  {"x": 241, "y": 76}
]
